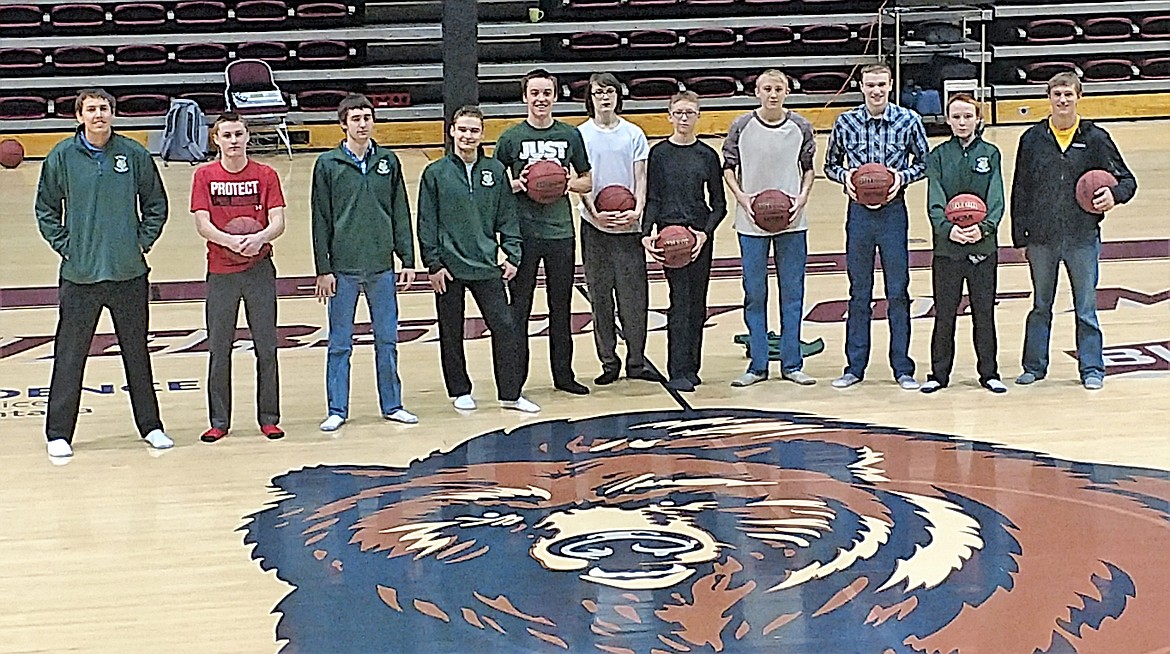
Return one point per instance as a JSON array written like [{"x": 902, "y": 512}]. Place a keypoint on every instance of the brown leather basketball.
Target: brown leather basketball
[
  {"x": 11, "y": 153},
  {"x": 676, "y": 242},
  {"x": 772, "y": 210},
  {"x": 1088, "y": 185},
  {"x": 966, "y": 209},
  {"x": 872, "y": 182},
  {"x": 239, "y": 226},
  {"x": 615, "y": 197},
  {"x": 546, "y": 182}
]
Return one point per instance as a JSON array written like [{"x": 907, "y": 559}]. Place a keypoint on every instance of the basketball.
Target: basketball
[
  {"x": 676, "y": 242},
  {"x": 11, "y": 153},
  {"x": 615, "y": 197},
  {"x": 872, "y": 182},
  {"x": 239, "y": 226},
  {"x": 1088, "y": 185},
  {"x": 546, "y": 182},
  {"x": 966, "y": 209},
  {"x": 772, "y": 210}
]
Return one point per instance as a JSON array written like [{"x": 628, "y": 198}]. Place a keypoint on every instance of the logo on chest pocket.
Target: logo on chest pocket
[
  {"x": 487, "y": 178},
  {"x": 382, "y": 168},
  {"x": 121, "y": 164},
  {"x": 982, "y": 165}
]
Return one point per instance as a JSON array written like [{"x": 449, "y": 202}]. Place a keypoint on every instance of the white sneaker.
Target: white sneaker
[
  {"x": 800, "y": 377},
  {"x": 995, "y": 386},
  {"x": 747, "y": 379},
  {"x": 521, "y": 404},
  {"x": 908, "y": 383},
  {"x": 60, "y": 448},
  {"x": 403, "y": 416},
  {"x": 464, "y": 403},
  {"x": 332, "y": 423},
  {"x": 159, "y": 440},
  {"x": 846, "y": 380}
]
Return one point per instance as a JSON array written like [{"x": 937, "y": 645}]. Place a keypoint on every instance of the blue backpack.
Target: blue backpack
[{"x": 185, "y": 135}]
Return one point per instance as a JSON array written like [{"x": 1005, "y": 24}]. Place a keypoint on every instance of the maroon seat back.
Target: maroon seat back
[
  {"x": 322, "y": 11},
  {"x": 320, "y": 100},
  {"x": 653, "y": 88},
  {"x": 712, "y": 37},
  {"x": 79, "y": 57},
  {"x": 653, "y": 39},
  {"x": 65, "y": 106},
  {"x": 143, "y": 104},
  {"x": 825, "y": 82},
  {"x": 140, "y": 56},
  {"x": 768, "y": 35},
  {"x": 828, "y": 34},
  {"x": 1109, "y": 28},
  {"x": 1039, "y": 72},
  {"x": 21, "y": 17},
  {"x": 1155, "y": 68},
  {"x": 713, "y": 86},
  {"x": 210, "y": 101},
  {"x": 594, "y": 4},
  {"x": 197, "y": 13},
  {"x": 139, "y": 14},
  {"x": 1050, "y": 30},
  {"x": 322, "y": 51},
  {"x": 21, "y": 58},
  {"x": 592, "y": 41},
  {"x": 201, "y": 54},
  {"x": 266, "y": 12},
  {"x": 73, "y": 16},
  {"x": 1155, "y": 27},
  {"x": 1109, "y": 70},
  {"x": 23, "y": 107},
  {"x": 270, "y": 51}
]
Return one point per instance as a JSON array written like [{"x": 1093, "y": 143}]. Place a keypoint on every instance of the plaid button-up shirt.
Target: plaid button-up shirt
[{"x": 892, "y": 139}]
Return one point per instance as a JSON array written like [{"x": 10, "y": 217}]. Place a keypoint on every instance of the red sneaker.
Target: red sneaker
[
  {"x": 213, "y": 434},
  {"x": 272, "y": 432}
]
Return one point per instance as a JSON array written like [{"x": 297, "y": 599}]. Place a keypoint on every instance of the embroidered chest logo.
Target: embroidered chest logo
[
  {"x": 382, "y": 168},
  {"x": 487, "y": 178},
  {"x": 121, "y": 164},
  {"x": 982, "y": 165}
]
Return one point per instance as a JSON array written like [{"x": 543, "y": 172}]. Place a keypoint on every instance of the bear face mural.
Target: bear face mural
[{"x": 721, "y": 531}]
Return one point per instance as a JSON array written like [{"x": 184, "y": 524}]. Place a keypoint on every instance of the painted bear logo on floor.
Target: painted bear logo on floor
[{"x": 721, "y": 531}]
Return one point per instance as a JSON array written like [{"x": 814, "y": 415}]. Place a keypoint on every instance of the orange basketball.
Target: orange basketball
[
  {"x": 966, "y": 209},
  {"x": 239, "y": 226},
  {"x": 676, "y": 242},
  {"x": 546, "y": 182},
  {"x": 772, "y": 210},
  {"x": 1088, "y": 185},
  {"x": 615, "y": 197},
  {"x": 11, "y": 153},
  {"x": 873, "y": 183}
]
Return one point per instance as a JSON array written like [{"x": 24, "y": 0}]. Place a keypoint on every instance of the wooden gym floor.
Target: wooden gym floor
[{"x": 127, "y": 550}]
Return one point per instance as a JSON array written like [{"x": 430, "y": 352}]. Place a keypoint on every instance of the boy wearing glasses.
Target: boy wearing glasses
[
  {"x": 547, "y": 229},
  {"x": 611, "y": 247},
  {"x": 684, "y": 186}
]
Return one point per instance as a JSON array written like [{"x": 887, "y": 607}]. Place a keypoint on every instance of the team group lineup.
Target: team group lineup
[{"x": 485, "y": 225}]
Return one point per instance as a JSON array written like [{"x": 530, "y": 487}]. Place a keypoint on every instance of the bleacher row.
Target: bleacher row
[
  {"x": 1085, "y": 29},
  {"x": 724, "y": 40},
  {"x": 88, "y": 18},
  {"x": 144, "y": 57}
]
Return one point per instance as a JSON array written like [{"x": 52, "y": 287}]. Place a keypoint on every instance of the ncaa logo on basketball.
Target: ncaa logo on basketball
[
  {"x": 487, "y": 179},
  {"x": 121, "y": 165},
  {"x": 383, "y": 168},
  {"x": 982, "y": 165}
]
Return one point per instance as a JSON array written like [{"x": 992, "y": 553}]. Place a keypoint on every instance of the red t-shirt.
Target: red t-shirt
[{"x": 250, "y": 192}]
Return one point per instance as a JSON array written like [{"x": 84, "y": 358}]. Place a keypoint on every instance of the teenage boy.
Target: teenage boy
[
  {"x": 466, "y": 218},
  {"x": 101, "y": 206},
  {"x": 771, "y": 148},
  {"x": 964, "y": 164},
  {"x": 684, "y": 186},
  {"x": 361, "y": 221},
  {"x": 547, "y": 229},
  {"x": 1052, "y": 228},
  {"x": 239, "y": 268},
  {"x": 882, "y": 133},
  {"x": 611, "y": 243}
]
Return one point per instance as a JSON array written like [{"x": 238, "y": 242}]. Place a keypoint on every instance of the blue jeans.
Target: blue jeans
[
  {"x": 382, "y": 300},
  {"x": 884, "y": 230},
  {"x": 791, "y": 253},
  {"x": 1080, "y": 262}
]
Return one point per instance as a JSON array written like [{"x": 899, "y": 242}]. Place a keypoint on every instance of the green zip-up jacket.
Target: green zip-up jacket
[
  {"x": 951, "y": 170},
  {"x": 459, "y": 218},
  {"x": 101, "y": 213},
  {"x": 360, "y": 221}
]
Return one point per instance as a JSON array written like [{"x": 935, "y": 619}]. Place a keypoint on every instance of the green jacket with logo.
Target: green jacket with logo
[
  {"x": 101, "y": 213},
  {"x": 951, "y": 170},
  {"x": 462, "y": 222},
  {"x": 360, "y": 221}
]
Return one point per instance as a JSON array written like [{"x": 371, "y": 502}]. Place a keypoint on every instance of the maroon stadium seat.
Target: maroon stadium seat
[
  {"x": 576, "y": 90},
  {"x": 712, "y": 37},
  {"x": 1039, "y": 72},
  {"x": 653, "y": 39},
  {"x": 653, "y": 88},
  {"x": 20, "y": 17},
  {"x": 12, "y": 59},
  {"x": 23, "y": 107},
  {"x": 768, "y": 35},
  {"x": 322, "y": 51},
  {"x": 707, "y": 3},
  {"x": 650, "y": 3},
  {"x": 1155, "y": 27},
  {"x": 210, "y": 101},
  {"x": 266, "y": 12},
  {"x": 79, "y": 57},
  {"x": 74, "y": 16},
  {"x": 1155, "y": 68},
  {"x": 713, "y": 86},
  {"x": 768, "y": 2},
  {"x": 1050, "y": 30},
  {"x": 270, "y": 51},
  {"x": 201, "y": 54},
  {"x": 140, "y": 56},
  {"x": 828, "y": 34},
  {"x": 321, "y": 100},
  {"x": 143, "y": 104},
  {"x": 322, "y": 11},
  {"x": 201, "y": 13},
  {"x": 1109, "y": 70},
  {"x": 1109, "y": 28},
  {"x": 825, "y": 82},
  {"x": 139, "y": 14},
  {"x": 592, "y": 41},
  {"x": 593, "y": 4},
  {"x": 65, "y": 106}
]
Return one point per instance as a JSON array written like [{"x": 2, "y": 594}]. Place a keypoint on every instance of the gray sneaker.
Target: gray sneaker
[
  {"x": 800, "y": 377},
  {"x": 1028, "y": 378},
  {"x": 908, "y": 383},
  {"x": 1093, "y": 383},
  {"x": 846, "y": 380},
  {"x": 748, "y": 378}
]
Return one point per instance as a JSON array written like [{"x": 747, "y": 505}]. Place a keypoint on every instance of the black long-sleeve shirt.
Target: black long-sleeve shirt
[{"x": 684, "y": 186}]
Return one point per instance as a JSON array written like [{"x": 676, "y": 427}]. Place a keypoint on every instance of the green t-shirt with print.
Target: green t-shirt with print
[{"x": 560, "y": 142}]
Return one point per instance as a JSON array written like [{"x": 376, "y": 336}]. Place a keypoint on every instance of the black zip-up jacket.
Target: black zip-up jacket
[{"x": 1044, "y": 204}]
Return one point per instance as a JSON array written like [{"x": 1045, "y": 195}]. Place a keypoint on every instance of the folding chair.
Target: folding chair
[{"x": 251, "y": 92}]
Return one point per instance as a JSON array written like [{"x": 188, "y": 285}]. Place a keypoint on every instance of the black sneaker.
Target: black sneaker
[
  {"x": 572, "y": 386},
  {"x": 681, "y": 384},
  {"x": 645, "y": 374},
  {"x": 694, "y": 378},
  {"x": 607, "y": 377}
]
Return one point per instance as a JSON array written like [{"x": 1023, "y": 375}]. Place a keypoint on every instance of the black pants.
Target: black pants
[
  {"x": 492, "y": 301},
  {"x": 79, "y": 307},
  {"x": 687, "y": 313},
  {"x": 615, "y": 264},
  {"x": 559, "y": 258},
  {"x": 256, "y": 286},
  {"x": 948, "y": 276}
]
